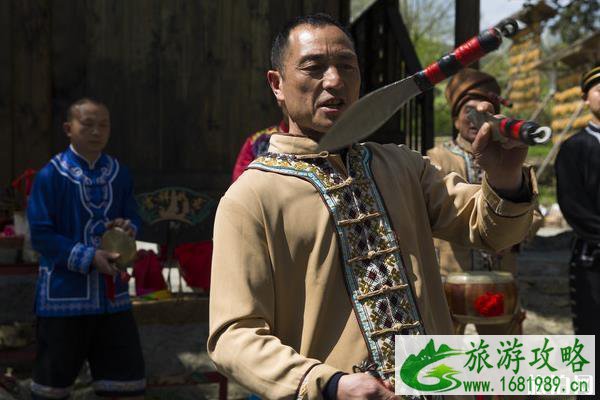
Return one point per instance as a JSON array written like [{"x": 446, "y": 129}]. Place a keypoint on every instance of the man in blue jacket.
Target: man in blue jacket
[{"x": 83, "y": 308}]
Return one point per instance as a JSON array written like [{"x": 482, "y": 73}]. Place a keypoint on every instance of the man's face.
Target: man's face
[
  {"x": 89, "y": 128},
  {"x": 320, "y": 78},
  {"x": 463, "y": 125},
  {"x": 593, "y": 100}
]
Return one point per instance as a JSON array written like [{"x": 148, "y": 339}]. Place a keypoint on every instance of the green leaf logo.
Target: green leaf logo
[{"x": 409, "y": 372}]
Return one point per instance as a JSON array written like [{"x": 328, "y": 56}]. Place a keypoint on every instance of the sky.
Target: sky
[{"x": 492, "y": 11}]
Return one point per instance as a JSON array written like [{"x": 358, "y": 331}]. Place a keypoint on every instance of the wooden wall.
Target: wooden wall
[{"x": 184, "y": 80}]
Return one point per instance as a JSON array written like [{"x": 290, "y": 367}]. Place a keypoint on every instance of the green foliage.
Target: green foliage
[
  {"x": 576, "y": 19},
  {"x": 357, "y": 7},
  {"x": 547, "y": 194},
  {"x": 430, "y": 50},
  {"x": 496, "y": 64},
  {"x": 539, "y": 152}
]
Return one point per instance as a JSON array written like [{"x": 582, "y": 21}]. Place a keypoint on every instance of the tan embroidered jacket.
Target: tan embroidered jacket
[{"x": 281, "y": 322}]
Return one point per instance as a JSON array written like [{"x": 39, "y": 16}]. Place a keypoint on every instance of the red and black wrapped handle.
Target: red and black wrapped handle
[
  {"x": 465, "y": 54},
  {"x": 527, "y": 132}
]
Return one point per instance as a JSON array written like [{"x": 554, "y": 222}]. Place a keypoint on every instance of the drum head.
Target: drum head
[{"x": 483, "y": 277}]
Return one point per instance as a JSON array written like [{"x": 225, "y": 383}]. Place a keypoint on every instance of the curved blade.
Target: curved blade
[{"x": 366, "y": 115}]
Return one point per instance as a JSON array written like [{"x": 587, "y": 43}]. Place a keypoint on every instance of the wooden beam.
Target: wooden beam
[
  {"x": 466, "y": 23},
  {"x": 409, "y": 54}
]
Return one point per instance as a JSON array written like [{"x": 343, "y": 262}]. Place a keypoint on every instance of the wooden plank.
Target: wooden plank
[
  {"x": 122, "y": 69},
  {"x": 339, "y": 9},
  {"x": 69, "y": 61},
  {"x": 402, "y": 38},
  {"x": 237, "y": 82},
  {"x": 263, "y": 110},
  {"x": 344, "y": 15},
  {"x": 190, "y": 84},
  {"x": 427, "y": 133},
  {"x": 31, "y": 84},
  {"x": 6, "y": 135},
  {"x": 184, "y": 81},
  {"x": 281, "y": 12}
]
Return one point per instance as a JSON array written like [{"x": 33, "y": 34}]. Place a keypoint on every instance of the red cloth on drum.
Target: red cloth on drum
[
  {"x": 490, "y": 304},
  {"x": 194, "y": 261}
]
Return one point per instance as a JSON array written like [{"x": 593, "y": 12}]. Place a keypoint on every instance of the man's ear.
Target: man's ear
[
  {"x": 67, "y": 128},
  {"x": 455, "y": 121},
  {"x": 274, "y": 78}
]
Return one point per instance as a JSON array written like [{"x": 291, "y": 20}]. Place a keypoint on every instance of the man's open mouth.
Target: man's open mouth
[{"x": 334, "y": 104}]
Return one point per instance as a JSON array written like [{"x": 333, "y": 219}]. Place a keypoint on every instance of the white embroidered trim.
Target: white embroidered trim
[
  {"x": 49, "y": 392},
  {"x": 593, "y": 133},
  {"x": 119, "y": 386},
  {"x": 80, "y": 258}
]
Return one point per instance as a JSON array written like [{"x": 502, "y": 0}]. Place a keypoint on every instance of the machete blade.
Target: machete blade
[{"x": 367, "y": 114}]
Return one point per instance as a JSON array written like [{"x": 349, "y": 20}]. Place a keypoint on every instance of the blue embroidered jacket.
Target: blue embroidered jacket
[{"x": 67, "y": 210}]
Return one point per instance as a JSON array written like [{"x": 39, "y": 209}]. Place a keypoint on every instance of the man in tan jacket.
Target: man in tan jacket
[
  {"x": 321, "y": 258},
  {"x": 473, "y": 88}
]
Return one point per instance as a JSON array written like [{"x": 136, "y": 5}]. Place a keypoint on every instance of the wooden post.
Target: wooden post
[
  {"x": 6, "y": 135},
  {"x": 466, "y": 23}
]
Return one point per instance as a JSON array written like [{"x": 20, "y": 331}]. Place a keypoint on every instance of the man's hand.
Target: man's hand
[
  {"x": 124, "y": 224},
  {"x": 503, "y": 162},
  {"x": 364, "y": 386},
  {"x": 104, "y": 262}
]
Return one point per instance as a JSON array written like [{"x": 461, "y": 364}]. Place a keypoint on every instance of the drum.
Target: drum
[{"x": 482, "y": 297}]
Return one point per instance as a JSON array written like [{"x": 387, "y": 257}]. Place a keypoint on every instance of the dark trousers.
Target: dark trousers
[
  {"x": 110, "y": 343},
  {"x": 584, "y": 281}
]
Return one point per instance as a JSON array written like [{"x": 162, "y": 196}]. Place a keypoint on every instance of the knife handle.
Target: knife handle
[
  {"x": 527, "y": 132},
  {"x": 466, "y": 54}
]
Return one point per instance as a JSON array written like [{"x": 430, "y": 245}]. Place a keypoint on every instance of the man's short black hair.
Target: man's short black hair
[
  {"x": 84, "y": 100},
  {"x": 281, "y": 40}
]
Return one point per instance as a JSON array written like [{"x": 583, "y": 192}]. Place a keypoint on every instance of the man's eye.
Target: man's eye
[
  {"x": 313, "y": 68},
  {"x": 346, "y": 67}
]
